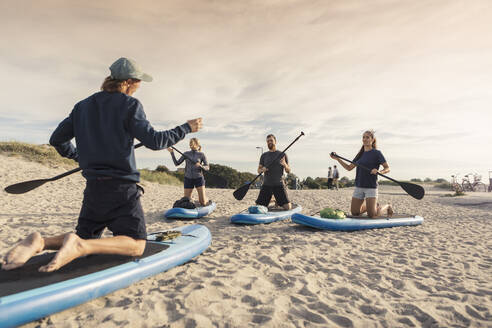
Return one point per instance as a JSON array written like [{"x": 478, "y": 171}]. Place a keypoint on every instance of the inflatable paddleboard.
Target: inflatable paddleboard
[
  {"x": 352, "y": 223},
  {"x": 193, "y": 213},
  {"x": 271, "y": 216},
  {"x": 27, "y": 294}
]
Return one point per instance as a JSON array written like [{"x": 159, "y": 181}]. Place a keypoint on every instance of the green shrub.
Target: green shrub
[
  {"x": 162, "y": 168},
  {"x": 346, "y": 182},
  {"x": 309, "y": 183}
]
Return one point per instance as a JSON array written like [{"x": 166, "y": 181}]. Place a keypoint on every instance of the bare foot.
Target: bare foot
[
  {"x": 390, "y": 211},
  {"x": 72, "y": 248},
  {"x": 23, "y": 251}
]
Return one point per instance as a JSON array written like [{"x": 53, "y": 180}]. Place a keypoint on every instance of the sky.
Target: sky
[{"x": 419, "y": 73}]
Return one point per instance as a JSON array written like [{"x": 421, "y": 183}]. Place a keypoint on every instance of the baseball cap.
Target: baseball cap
[{"x": 126, "y": 68}]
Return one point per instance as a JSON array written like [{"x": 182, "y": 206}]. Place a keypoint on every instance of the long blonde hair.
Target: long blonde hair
[
  {"x": 374, "y": 145},
  {"x": 196, "y": 142}
]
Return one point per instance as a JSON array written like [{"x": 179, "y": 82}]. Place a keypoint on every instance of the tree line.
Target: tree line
[
  {"x": 222, "y": 176},
  {"x": 219, "y": 176}
]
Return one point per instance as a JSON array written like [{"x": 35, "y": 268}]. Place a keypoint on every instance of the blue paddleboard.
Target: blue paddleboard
[
  {"x": 356, "y": 223},
  {"x": 55, "y": 293},
  {"x": 186, "y": 213},
  {"x": 271, "y": 216}
]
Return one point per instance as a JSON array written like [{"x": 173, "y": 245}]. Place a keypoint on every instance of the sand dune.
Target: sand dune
[{"x": 282, "y": 274}]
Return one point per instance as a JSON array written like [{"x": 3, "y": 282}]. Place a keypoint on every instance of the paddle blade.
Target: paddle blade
[
  {"x": 23, "y": 187},
  {"x": 413, "y": 190},
  {"x": 241, "y": 191}
]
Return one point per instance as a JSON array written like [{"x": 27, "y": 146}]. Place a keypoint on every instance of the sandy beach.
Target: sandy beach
[{"x": 438, "y": 274}]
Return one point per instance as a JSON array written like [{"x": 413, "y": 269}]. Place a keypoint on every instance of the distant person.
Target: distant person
[
  {"x": 336, "y": 176},
  {"x": 330, "y": 178},
  {"x": 193, "y": 170},
  {"x": 104, "y": 126},
  {"x": 272, "y": 184},
  {"x": 365, "y": 197}
]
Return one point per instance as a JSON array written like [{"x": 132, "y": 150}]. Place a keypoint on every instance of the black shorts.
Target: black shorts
[
  {"x": 192, "y": 183},
  {"x": 266, "y": 193},
  {"x": 113, "y": 204}
]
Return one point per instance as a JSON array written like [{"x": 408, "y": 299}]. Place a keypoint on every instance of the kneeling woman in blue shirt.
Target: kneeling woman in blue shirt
[
  {"x": 196, "y": 161},
  {"x": 366, "y": 184}
]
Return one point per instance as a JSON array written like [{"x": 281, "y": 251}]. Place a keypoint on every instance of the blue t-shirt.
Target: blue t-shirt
[{"x": 370, "y": 159}]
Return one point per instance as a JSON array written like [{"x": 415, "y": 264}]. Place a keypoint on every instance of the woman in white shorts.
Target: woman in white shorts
[{"x": 365, "y": 197}]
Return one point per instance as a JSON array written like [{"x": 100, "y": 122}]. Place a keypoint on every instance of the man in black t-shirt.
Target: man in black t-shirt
[{"x": 273, "y": 184}]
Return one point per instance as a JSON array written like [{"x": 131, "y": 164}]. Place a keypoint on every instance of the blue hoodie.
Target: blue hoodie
[{"x": 104, "y": 126}]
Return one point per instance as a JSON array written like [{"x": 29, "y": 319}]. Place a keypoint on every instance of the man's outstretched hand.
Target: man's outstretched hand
[{"x": 195, "y": 124}]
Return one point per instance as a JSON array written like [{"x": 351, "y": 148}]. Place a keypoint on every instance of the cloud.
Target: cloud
[{"x": 419, "y": 74}]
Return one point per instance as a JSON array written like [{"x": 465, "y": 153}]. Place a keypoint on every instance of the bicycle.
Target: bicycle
[
  {"x": 455, "y": 186},
  {"x": 476, "y": 185}
]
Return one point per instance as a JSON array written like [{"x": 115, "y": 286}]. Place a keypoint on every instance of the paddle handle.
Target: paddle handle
[
  {"x": 185, "y": 156},
  {"x": 78, "y": 169},
  {"x": 64, "y": 174},
  {"x": 283, "y": 152}
]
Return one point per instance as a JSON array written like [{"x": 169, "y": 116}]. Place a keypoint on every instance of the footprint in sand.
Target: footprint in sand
[
  {"x": 250, "y": 300},
  {"x": 398, "y": 284},
  {"x": 369, "y": 309},
  {"x": 321, "y": 307},
  {"x": 305, "y": 291},
  {"x": 423, "y": 287},
  {"x": 282, "y": 282},
  {"x": 341, "y": 321},
  {"x": 124, "y": 302},
  {"x": 296, "y": 300},
  {"x": 411, "y": 310},
  {"x": 268, "y": 261},
  {"x": 407, "y": 322},
  {"x": 304, "y": 314},
  {"x": 217, "y": 283},
  {"x": 289, "y": 267},
  {"x": 260, "y": 319},
  {"x": 429, "y": 264},
  {"x": 474, "y": 313}
]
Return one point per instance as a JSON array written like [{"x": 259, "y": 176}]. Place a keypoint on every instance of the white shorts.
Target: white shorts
[{"x": 363, "y": 193}]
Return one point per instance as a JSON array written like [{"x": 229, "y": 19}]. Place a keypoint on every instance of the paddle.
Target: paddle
[
  {"x": 412, "y": 189},
  {"x": 243, "y": 190},
  {"x": 23, "y": 187},
  {"x": 222, "y": 182}
]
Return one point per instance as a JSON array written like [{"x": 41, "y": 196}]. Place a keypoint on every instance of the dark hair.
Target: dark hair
[
  {"x": 113, "y": 85},
  {"x": 361, "y": 151},
  {"x": 271, "y": 135}
]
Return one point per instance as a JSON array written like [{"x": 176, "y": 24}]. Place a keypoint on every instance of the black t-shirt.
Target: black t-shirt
[{"x": 273, "y": 177}]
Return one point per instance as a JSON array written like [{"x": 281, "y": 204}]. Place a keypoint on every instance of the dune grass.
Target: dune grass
[
  {"x": 159, "y": 177},
  {"x": 44, "y": 154}
]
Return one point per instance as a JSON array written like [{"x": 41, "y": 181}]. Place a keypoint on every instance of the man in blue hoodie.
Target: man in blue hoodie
[{"x": 104, "y": 126}]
